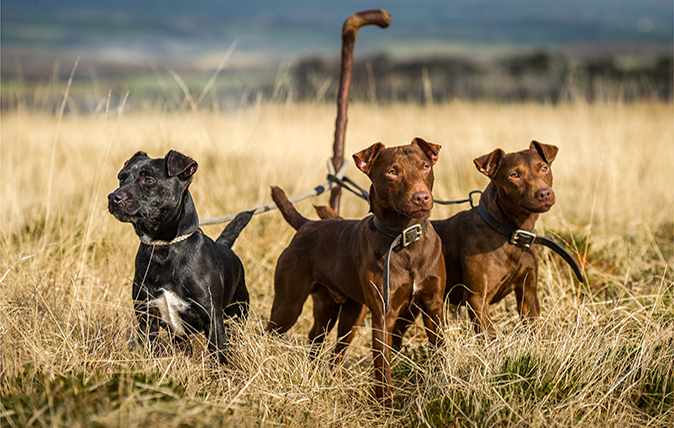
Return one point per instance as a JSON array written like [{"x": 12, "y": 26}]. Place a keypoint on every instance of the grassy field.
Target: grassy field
[{"x": 603, "y": 355}]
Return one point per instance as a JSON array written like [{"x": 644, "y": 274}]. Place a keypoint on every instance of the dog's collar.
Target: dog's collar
[
  {"x": 159, "y": 243},
  {"x": 407, "y": 235},
  {"x": 402, "y": 236},
  {"x": 523, "y": 238}
]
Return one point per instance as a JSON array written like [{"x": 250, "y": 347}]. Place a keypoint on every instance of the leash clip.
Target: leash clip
[
  {"x": 412, "y": 234},
  {"x": 522, "y": 238},
  {"x": 470, "y": 197}
]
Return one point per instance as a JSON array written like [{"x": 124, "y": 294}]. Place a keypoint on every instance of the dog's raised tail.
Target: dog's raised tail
[
  {"x": 294, "y": 218},
  {"x": 234, "y": 228},
  {"x": 326, "y": 213}
]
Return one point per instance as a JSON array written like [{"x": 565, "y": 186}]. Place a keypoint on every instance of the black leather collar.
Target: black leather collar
[
  {"x": 408, "y": 235},
  {"x": 522, "y": 238},
  {"x": 402, "y": 237}
]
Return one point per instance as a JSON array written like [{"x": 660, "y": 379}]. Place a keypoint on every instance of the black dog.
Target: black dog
[{"x": 183, "y": 279}]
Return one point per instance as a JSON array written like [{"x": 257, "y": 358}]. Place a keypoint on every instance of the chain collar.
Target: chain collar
[{"x": 159, "y": 243}]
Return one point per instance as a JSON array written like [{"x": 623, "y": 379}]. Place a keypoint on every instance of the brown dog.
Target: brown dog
[
  {"x": 341, "y": 263},
  {"x": 483, "y": 266}
]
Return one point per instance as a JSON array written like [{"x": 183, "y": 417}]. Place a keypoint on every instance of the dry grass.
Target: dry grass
[{"x": 603, "y": 355}]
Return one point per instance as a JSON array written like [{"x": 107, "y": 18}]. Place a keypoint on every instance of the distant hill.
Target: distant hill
[{"x": 176, "y": 28}]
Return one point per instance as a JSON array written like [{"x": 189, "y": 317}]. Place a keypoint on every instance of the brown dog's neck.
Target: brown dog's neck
[
  {"x": 517, "y": 218},
  {"x": 395, "y": 219}
]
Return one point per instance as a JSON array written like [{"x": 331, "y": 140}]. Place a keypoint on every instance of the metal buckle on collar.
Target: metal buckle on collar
[
  {"x": 412, "y": 234},
  {"x": 522, "y": 238}
]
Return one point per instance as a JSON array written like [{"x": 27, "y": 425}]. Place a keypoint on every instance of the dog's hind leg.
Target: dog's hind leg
[
  {"x": 217, "y": 339},
  {"x": 350, "y": 316},
  {"x": 326, "y": 311},
  {"x": 291, "y": 289},
  {"x": 240, "y": 305}
]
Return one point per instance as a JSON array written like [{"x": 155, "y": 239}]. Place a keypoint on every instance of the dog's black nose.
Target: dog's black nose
[{"x": 115, "y": 197}]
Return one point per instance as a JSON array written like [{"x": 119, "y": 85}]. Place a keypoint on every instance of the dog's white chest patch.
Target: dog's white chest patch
[
  {"x": 415, "y": 287},
  {"x": 170, "y": 305}
]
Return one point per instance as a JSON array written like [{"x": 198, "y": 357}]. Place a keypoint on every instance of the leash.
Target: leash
[
  {"x": 402, "y": 236},
  {"x": 335, "y": 178},
  {"x": 526, "y": 239},
  {"x": 321, "y": 188},
  {"x": 346, "y": 183},
  {"x": 351, "y": 186},
  {"x": 461, "y": 201}
]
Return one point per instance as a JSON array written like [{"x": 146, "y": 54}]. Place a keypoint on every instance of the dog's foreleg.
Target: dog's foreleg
[{"x": 147, "y": 325}]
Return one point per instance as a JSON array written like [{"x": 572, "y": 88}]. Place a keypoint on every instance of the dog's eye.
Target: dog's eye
[
  {"x": 149, "y": 180},
  {"x": 544, "y": 168},
  {"x": 392, "y": 172},
  {"x": 427, "y": 167},
  {"x": 514, "y": 175}
]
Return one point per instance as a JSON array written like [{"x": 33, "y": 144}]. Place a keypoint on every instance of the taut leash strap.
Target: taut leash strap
[
  {"x": 402, "y": 236},
  {"x": 350, "y": 185},
  {"x": 523, "y": 238}
]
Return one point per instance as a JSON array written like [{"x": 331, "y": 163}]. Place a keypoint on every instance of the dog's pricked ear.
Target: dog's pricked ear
[
  {"x": 430, "y": 149},
  {"x": 177, "y": 164},
  {"x": 547, "y": 151},
  {"x": 488, "y": 164},
  {"x": 135, "y": 157},
  {"x": 365, "y": 158}
]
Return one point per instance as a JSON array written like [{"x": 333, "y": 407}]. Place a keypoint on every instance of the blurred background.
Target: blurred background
[{"x": 267, "y": 50}]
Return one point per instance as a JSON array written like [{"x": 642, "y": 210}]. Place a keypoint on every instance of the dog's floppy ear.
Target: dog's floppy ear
[
  {"x": 488, "y": 164},
  {"x": 135, "y": 157},
  {"x": 177, "y": 164},
  {"x": 547, "y": 151},
  {"x": 365, "y": 158},
  {"x": 430, "y": 149}
]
